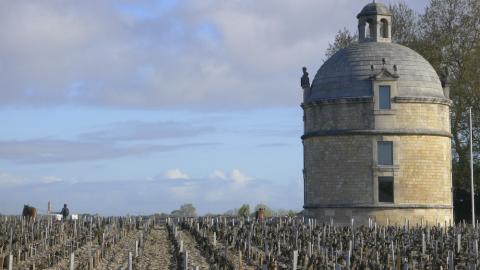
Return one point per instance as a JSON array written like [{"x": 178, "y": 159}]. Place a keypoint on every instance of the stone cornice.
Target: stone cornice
[
  {"x": 344, "y": 100},
  {"x": 391, "y": 132},
  {"x": 379, "y": 206},
  {"x": 443, "y": 101},
  {"x": 369, "y": 99}
]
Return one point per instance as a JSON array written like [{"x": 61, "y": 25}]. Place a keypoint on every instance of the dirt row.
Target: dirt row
[
  {"x": 233, "y": 255},
  {"x": 118, "y": 256},
  {"x": 157, "y": 253},
  {"x": 195, "y": 258}
]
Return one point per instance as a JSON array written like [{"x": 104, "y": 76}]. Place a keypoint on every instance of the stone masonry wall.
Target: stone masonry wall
[
  {"x": 423, "y": 116},
  {"x": 391, "y": 216},
  {"x": 338, "y": 116},
  {"x": 424, "y": 175},
  {"x": 338, "y": 170}
]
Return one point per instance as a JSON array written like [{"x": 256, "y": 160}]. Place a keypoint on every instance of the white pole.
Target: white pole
[
  {"x": 136, "y": 248},
  {"x": 471, "y": 169},
  {"x": 72, "y": 261},
  {"x": 10, "y": 262},
  {"x": 130, "y": 267},
  {"x": 295, "y": 258}
]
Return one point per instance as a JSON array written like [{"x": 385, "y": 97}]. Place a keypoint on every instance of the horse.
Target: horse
[{"x": 29, "y": 212}]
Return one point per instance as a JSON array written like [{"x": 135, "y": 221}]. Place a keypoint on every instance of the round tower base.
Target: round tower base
[{"x": 383, "y": 216}]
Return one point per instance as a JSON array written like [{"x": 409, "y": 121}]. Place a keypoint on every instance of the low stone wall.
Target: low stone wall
[{"x": 382, "y": 216}]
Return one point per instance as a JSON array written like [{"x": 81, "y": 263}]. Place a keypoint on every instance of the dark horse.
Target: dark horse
[{"x": 29, "y": 211}]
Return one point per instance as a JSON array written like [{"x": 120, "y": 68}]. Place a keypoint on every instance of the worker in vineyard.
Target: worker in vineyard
[{"x": 65, "y": 212}]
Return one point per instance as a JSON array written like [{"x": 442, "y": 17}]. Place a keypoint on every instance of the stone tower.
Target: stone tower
[{"x": 377, "y": 133}]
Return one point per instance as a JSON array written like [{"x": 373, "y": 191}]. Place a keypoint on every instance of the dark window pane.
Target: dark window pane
[
  {"x": 384, "y": 97},
  {"x": 384, "y": 28},
  {"x": 385, "y": 189},
  {"x": 385, "y": 153}
]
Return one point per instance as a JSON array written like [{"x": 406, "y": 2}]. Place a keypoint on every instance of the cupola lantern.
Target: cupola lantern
[{"x": 375, "y": 23}]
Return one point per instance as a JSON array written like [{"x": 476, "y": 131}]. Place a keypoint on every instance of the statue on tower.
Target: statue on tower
[
  {"x": 305, "y": 81},
  {"x": 305, "y": 84}
]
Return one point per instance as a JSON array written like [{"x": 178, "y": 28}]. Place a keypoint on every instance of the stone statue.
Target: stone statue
[{"x": 305, "y": 81}]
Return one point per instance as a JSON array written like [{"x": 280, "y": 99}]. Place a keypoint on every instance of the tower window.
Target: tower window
[
  {"x": 385, "y": 189},
  {"x": 384, "y": 28},
  {"x": 384, "y": 97},
  {"x": 385, "y": 153},
  {"x": 370, "y": 29}
]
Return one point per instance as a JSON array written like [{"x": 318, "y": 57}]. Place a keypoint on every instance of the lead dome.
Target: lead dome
[
  {"x": 348, "y": 73},
  {"x": 374, "y": 9}
]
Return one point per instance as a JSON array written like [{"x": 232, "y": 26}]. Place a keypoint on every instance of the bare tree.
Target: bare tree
[{"x": 343, "y": 39}]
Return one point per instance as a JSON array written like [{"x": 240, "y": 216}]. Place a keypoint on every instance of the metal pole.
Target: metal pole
[{"x": 471, "y": 169}]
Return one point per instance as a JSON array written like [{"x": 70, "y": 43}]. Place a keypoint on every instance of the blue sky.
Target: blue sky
[{"x": 119, "y": 107}]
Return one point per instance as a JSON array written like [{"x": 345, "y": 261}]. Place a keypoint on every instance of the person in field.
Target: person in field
[{"x": 65, "y": 212}]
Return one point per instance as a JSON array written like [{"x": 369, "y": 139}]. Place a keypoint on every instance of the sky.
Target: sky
[{"x": 136, "y": 107}]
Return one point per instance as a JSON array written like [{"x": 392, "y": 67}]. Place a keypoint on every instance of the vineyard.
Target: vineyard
[{"x": 93, "y": 242}]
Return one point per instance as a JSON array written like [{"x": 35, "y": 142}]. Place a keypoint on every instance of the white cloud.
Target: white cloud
[
  {"x": 236, "y": 177},
  {"x": 239, "y": 178},
  {"x": 176, "y": 174}
]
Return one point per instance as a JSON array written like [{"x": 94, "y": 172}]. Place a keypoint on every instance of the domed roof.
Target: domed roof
[
  {"x": 374, "y": 9},
  {"x": 348, "y": 72}
]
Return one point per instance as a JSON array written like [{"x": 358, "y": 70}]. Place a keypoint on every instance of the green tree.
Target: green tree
[
  {"x": 186, "y": 210},
  {"x": 244, "y": 210}
]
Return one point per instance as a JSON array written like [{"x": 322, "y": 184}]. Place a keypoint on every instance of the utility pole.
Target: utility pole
[{"x": 471, "y": 169}]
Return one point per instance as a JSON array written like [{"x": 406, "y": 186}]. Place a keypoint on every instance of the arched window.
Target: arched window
[{"x": 384, "y": 28}]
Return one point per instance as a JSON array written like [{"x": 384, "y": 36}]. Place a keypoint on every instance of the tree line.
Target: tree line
[{"x": 188, "y": 210}]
